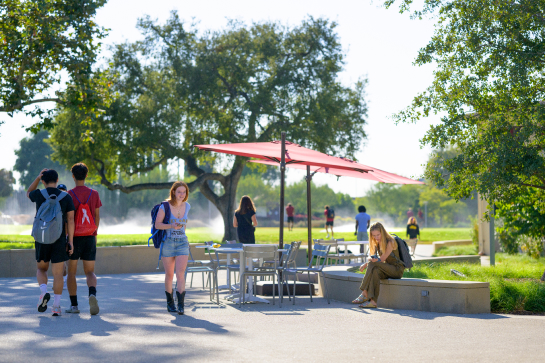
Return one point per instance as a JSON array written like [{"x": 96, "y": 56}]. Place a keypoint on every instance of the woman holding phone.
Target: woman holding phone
[
  {"x": 385, "y": 263},
  {"x": 175, "y": 248}
]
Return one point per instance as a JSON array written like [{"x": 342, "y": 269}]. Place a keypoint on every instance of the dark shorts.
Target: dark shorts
[
  {"x": 329, "y": 223},
  {"x": 55, "y": 252},
  {"x": 290, "y": 219},
  {"x": 85, "y": 248}
]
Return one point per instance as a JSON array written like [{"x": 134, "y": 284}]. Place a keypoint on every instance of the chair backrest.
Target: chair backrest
[
  {"x": 339, "y": 239},
  {"x": 319, "y": 252},
  {"x": 292, "y": 255},
  {"x": 269, "y": 252}
]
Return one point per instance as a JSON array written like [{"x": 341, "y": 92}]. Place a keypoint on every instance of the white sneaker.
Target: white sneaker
[{"x": 327, "y": 235}]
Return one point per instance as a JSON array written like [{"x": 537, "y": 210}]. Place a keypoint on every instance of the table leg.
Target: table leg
[{"x": 249, "y": 297}]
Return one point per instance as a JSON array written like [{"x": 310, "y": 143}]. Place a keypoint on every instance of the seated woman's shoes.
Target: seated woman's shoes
[
  {"x": 368, "y": 305},
  {"x": 170, "y": 303},
  {"x": 181, "y": 298},
  {"x": 360, "y": 299}
]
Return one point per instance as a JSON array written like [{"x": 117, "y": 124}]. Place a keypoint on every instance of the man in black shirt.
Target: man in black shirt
[{"x": 58, "y": 251}]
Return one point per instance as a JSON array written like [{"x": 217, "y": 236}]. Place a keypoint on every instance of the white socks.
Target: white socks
[
  {"x": 43, "y": 288},
  {"x": 56, "y": 300}
]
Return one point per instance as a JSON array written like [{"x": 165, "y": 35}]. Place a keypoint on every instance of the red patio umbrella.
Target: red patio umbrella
[
  {"x": 290, "y": 154},
  {"x": 371, "y": 174}
]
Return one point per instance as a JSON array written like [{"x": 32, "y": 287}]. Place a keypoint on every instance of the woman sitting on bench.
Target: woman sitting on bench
[{"x": 385, "y": 263}]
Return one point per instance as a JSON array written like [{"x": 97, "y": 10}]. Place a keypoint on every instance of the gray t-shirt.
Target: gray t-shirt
[{"x": 177, "y": 234}]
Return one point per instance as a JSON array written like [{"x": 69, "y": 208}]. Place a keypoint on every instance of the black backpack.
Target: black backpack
[
  {"x": 330, "y": 213},
  {"x": 404, "y": 254}
]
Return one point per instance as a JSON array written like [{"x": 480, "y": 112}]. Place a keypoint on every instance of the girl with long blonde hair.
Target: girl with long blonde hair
[
  {"x": 384, "y": 263},
  {"x": 175, "y": 248}
]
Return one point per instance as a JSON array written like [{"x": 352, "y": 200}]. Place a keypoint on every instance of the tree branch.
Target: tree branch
[
  {"x": 145, "y": 186},
  {"x": 532, "y": 186},
  {"x": 21, "y": 105}
]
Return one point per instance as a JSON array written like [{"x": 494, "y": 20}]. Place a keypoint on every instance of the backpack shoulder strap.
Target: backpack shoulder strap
[
  {"x": 166, "y": 205},
  {"x": 89, "y": 196},
  {"x": 74, "y": 195},
  {"x": 62, "y": 195},
  {"x": 45, "y": 193}
]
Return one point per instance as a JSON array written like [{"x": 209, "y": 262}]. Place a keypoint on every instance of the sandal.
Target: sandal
[
  {"x": 368, "y": 305},
  {"x": 360, "y": 299}
]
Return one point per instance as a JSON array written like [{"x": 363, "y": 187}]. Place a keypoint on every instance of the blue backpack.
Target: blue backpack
[{"x": 159, "y": 235}]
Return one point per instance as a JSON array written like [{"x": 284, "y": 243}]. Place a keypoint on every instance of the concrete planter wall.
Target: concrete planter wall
[
  {"x": 458, "y": 297},
  {"x": 109, "y": 260}
]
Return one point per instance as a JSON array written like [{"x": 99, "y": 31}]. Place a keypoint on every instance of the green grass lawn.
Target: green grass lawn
[
  {"x": 9, "y": 237},
  {"x": 515, "y": 284},
  {"x": 456, "y": 251}
]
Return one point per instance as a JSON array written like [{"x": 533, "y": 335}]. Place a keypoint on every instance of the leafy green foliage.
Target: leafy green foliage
[
  {"x": 33, "y": 155},
  {"x": 489, "y": 89},
  {"x": 393, "y": 201},
  {"x": 178, "y": 88},
  {"x": 42, "y": 40},
  {"x": 6, "y": 183}
]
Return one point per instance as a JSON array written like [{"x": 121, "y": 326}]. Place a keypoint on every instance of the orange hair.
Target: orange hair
[{"x": 173, "y": 188}]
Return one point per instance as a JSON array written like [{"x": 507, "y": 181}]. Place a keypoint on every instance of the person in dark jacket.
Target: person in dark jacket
[{"x": 245, "y": 220}]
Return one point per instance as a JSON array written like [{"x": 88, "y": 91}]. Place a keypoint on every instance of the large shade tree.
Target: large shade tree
[
  {"x": 178, "y": 88},
  {"x": 489, "y": 92},
  {"x": 42, "y": 44}
]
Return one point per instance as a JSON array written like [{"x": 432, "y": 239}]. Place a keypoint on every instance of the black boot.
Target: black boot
[
  {"x": 181, "y": 298},
  {"x": 170, "y": 303}
]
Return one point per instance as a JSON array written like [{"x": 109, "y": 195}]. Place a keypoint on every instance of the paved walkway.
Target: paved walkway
[{"x": 134, "y": 326}]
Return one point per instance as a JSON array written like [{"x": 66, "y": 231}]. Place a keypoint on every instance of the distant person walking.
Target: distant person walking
[
  {"x": 175, "y": 248},
  {"x": 289, "y": 212},
  {"x": 410, "y": 213},
  {"x": 58, "y": 251},
  {"x": 363, "y": 220},
  {"x": 413, "y": 232},
  {"x": 87, "y": 204},
  {"x": 329, "y": 214},
  {"x": 387, "y": 264},
  {"x": 245, "y": 220}
]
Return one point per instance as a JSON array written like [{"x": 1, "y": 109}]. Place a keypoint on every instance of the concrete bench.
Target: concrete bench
[{"x": 442, "y": 296}]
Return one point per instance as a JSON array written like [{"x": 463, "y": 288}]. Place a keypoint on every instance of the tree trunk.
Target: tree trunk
[
  {"x": 543, "y": 277},
  {"x": 226, "y": 202}
]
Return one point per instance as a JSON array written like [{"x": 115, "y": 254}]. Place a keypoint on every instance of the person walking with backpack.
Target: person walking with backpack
[
  {"x": 54, "y": 211},
  {"x": 385, "y": 263},
  {"x": 175, "y": 248},
  {"x": 245, "y": 220},
  {"x": 329, "y": 214},
  {"x": 87, "y": 218}
]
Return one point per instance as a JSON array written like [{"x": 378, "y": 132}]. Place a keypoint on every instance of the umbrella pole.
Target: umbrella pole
[
  {"x": 309, "y": 214},
  {"x": 282, "y": 177}
]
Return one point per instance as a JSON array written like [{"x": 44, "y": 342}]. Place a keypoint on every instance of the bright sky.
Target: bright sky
[{"x": 380, "y": 44}]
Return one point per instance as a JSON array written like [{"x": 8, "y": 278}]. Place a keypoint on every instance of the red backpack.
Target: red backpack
[{"x": 85, "y": 223}]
